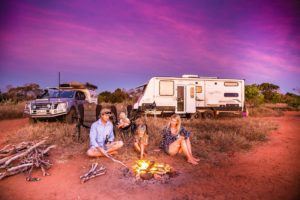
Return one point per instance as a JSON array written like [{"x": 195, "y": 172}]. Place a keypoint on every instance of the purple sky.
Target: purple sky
[{"x": 124, "y": 43}]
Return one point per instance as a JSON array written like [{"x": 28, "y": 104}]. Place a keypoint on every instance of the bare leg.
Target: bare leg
[
  {"x": 186, "y": 152},
  {"x": 93, "y": 152},
  {"x": 175, "y": 146},
  {"x": 142, "y": 151},
  {"x": 114, "y": 146},
  {"x": 188, "y": 142},
  {"x": 137, "y": 147}
]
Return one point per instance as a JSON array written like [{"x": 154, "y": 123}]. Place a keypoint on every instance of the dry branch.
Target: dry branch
[
  {"x": 26, "y": 156},
  {"x": 23, "y": 153},
  {"x": 112, "y": 158},
  {"x": 93, "y": 172}
]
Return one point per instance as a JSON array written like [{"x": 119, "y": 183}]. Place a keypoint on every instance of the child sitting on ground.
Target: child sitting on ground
[
  {"x": 124, "y": 121},
  {"x": 141, "y": 140}
]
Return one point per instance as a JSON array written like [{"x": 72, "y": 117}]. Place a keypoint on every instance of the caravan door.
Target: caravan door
[
  {"x": 190, "y": 99},
  {"x": 180, "y": 108}
]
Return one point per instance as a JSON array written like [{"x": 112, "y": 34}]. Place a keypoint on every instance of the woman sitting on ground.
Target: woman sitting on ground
[
  {"x": 124, "y": 121},
  {"x": 141, "y": 140},
  {"x": 176, "y": 139}
]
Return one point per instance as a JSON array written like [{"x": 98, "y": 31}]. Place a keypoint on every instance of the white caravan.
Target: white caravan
[{"x": 191, "y": 95}]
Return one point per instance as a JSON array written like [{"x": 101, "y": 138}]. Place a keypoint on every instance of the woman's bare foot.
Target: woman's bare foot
[
  {"x": 196, "y": 159},
  {"x": 192, "y": 161}
]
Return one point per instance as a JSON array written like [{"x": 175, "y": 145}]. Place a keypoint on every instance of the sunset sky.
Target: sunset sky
[{"x": 124, "y": 43}]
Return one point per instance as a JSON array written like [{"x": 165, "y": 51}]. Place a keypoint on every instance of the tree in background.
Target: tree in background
[
  {"x": 20, "y": 93},
  {"x": 253, "y": 95},
  {"x": 270, "y": 92},
  {"x": 117, "y": 96},
  {"x": 104, "y": 97},
  {"x": 292, "y": 100}
]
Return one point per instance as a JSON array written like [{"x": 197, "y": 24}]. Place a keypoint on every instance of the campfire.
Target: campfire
[{"x": 146, "y": 170}]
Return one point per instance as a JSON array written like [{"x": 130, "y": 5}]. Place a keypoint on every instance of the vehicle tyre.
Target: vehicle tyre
[
  {"x": 209, "y": 114},
  {"x": 71, "y": 117},
  {"x": 81, "y": 113},
  {"x": 196, "y": 115}
]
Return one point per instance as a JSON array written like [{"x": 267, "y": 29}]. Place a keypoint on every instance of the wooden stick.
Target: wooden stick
[
  {"x": 19, "y": 166},
  {"x": 48, "y": 149},
  {"x": 3, "y": 160},
  {"x": 94, "y": 166},
  {"x": 110, "y": 157},
  {"x": 23, "y": 153},
  {"x": 6, "y": 174},
  {"x": 93, "y": 176},
  {"x": 4, "y": 149}
]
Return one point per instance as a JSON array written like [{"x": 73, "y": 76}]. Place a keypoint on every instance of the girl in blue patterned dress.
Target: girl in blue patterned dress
[{"x": 176, "y": 139}]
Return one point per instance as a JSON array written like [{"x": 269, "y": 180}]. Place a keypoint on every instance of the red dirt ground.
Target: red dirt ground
[{"x": 270, "y": 170}]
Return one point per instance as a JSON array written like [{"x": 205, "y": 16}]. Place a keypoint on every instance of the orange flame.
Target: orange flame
[{"x": 146, "y": 166}]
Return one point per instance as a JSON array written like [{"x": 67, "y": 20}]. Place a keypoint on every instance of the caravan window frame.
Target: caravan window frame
[
  {"x": 197, "y": 89},
  {"x": 231, "y": 84},
  {"x": 173, "y": 86}
]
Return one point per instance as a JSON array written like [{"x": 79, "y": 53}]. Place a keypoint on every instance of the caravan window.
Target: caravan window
[
  {"x": 231, "y": 94},
  {"x": 231, "y": 84},
  {"x": 198, "y": 89},
  {"x": 166, "y": 88}
]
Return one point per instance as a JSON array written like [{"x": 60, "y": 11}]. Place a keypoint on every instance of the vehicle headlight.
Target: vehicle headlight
[
  {"x": 48, "y": 106},
  {"x": 62, "y": 106},
  {"x": 33, "y": 106},
  {"x": 27, "y": 106}
]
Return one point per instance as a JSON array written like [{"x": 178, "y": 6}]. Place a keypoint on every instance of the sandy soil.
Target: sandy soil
[{"x": 270, "y": 170}]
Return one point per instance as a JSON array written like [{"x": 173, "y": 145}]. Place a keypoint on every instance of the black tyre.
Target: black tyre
[
  {"x": 71, "y": 117},
  {"x": 81, "y": 113},
  {"x": 208, "y": 114},
  {"x": 196, "y": 116}
]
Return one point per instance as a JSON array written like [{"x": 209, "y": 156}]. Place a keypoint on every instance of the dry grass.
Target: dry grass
[
  {"x": 218, "y": 135},
  {"x": 11, "y": 110},
  {"x": 265, "y": 111},
  {"x": 61, "y": 134},
  {"x": 208, "y": 136}
]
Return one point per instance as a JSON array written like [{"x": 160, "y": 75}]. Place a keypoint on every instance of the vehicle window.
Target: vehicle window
[
  {"x": 77, "y": 97},
  {"x": 57, "y": 94},
  {"x": 231, "y": 94},
  {"x": 82, "y": 96}
]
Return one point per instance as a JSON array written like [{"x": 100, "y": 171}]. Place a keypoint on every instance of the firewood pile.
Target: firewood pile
[
  {"x": 147, "y": 170},
  {"x": 95, "y": 171},
  {"x": 24, "y": 157}
]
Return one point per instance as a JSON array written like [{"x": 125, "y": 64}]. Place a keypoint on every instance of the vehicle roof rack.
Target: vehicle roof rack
[{"x": 78, "y": 85}]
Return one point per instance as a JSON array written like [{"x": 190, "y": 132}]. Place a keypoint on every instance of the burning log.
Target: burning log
[
  {"x": 146, "y": 170},
  {"x": 27, "y": 156},
  {"x": 93, "y": 172}
]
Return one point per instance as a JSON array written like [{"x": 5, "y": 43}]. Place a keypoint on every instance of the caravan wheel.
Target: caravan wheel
[
  {"x": 196, "y": 115},
  {"x": 208, "y": 114}
]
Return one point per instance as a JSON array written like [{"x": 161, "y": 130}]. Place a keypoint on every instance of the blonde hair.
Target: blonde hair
[{"x": 178, "y": 120}]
